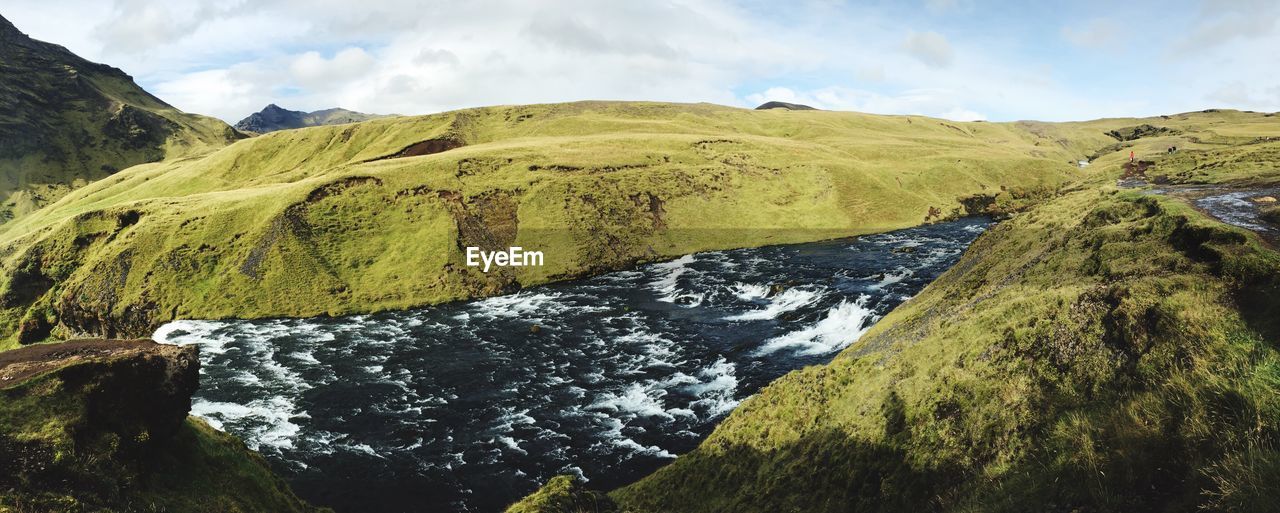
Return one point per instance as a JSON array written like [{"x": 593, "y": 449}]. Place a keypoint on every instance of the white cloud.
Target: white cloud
[
  {"x": 1095, "y": 33},
  {"x": 464, "y": 54},
  {"x": 924, "y": 102},
  {"x": 136, "y": 26},
  {"x": 930, "y": 48},
  {"x": 962, "y": 115},
  {"x": 941, "y": 6},
  {"x": 1240, "y": 95},
  {"x": 871, "y": 73},
  {"x": 229, "y": 59},
  {"x": 312, "y": 71},
  {"x": 1223, "y": 21}
]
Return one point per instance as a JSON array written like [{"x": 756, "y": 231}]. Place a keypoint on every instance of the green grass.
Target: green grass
[
  {"x": 90, "y": 436},
  {"x": 564, "y": 494},
  {"x": 1213, "y": 147},
  {"x": 1106, "y": 351},
  {"x": 326, "y": 220},
  {"x": 308, "y": 222}
]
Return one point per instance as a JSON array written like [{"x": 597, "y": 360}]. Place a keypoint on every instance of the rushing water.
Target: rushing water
[
  {"x": 468, "y": 407},
  {"x": 1237, "y": 207}
]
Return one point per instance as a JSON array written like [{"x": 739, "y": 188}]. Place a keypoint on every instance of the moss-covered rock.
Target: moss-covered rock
[
  {"x": 102, "y": 425},
  {"x": 564, "y": 494},
  {"x": 1271, "y": 214}
]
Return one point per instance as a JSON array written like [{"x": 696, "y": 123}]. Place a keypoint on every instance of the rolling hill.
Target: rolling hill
[
  {"x": 377, "y": 215},
  {"x": 1104, "y": 350},
  {"x": 65, "y": 122}
]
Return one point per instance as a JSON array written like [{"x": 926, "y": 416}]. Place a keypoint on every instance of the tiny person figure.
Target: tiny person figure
[{"x": 1130, "y": 155}]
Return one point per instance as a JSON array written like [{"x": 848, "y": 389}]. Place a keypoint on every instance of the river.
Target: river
[{"x": 471, "y": 405}]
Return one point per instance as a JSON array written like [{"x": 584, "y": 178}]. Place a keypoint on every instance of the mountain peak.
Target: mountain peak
[
  {"x": 6, "y": 27},
  {"x": 66, "y": 121},
  {"x": 9, "y": 32},
  {"x": 783, "y": 105},
  {"x": 274, "y": 117}
]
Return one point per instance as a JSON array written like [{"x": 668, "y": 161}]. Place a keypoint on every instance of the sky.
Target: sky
[{"x": 957, "y": 59}]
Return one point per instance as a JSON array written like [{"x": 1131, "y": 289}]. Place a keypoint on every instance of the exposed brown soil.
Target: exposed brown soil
[
  {"x": 19, "y": 364},
  {"x": 427, "y": 147},
  {"x": 1137, "y": 169}
]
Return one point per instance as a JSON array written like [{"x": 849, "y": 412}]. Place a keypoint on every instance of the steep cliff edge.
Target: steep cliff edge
[{"x": 102, "y": 425}]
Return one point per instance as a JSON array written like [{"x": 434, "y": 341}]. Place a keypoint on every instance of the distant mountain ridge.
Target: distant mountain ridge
[
  {"x": 784, "y": 105},
  {"x": 273, "y": 117},
  {"x": 66, "y": 121}
]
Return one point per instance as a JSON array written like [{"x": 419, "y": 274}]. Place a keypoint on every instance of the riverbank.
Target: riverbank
[
  {"x": 1250, "y": 208},
  {"x": 1106, "y": 351},
  {"x": 101, "y": 425},
  {"x": 470, "y": 405},
  {"x": 363, "y": 218}
]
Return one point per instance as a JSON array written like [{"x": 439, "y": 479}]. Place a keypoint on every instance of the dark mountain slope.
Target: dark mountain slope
[
  {"x": 273, "y": 118},
  {"x": 784, "y": 105},
  {"x": 65, "y": 121}
]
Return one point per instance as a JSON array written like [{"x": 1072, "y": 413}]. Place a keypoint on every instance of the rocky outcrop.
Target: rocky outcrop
[
  {"x": 783, "y": 105},
  {"x": 273, "y": 118},
  {"x": 102, "y": 425},
  {"x": 1134, "y": 133},
  {"x": 110, "y": 402}
]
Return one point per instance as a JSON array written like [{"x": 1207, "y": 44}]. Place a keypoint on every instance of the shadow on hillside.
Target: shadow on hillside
[
  {"x": 1259, "y": 304},
  {"x": 838, "y": 474}
]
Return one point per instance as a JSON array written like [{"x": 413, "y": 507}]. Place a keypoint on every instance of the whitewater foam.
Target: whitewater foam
[
  {"x": 843, "y": 325},
  {"x": 892, "y": 278},
  {"x": 789, "y": 300},
  {"x": 749, "y": 291},
  {"x": 668, "y": 283},
  {"x": 268, "y": 420}
]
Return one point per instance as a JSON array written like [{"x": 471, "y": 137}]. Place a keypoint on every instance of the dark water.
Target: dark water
[
  {"x": 464, "y": 407},
  {"x": 1238, "y": 208},
  {"x": 1235, "y": 207}
]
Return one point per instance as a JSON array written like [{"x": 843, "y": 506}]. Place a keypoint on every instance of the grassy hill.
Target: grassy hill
[
  {"x": 1106, "y": 350},
  {"x": 65, "y": 122},
  {"x": 375, "y": 215}
]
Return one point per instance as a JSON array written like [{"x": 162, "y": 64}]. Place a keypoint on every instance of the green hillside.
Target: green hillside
[
  {"x": 65, "y": 122},
  {"x": 375, "y": 215},
  {"x": 1108, "y": 351},
  {"x": 102, "y": 425},
  {"x": 1105, "y": 350}
]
